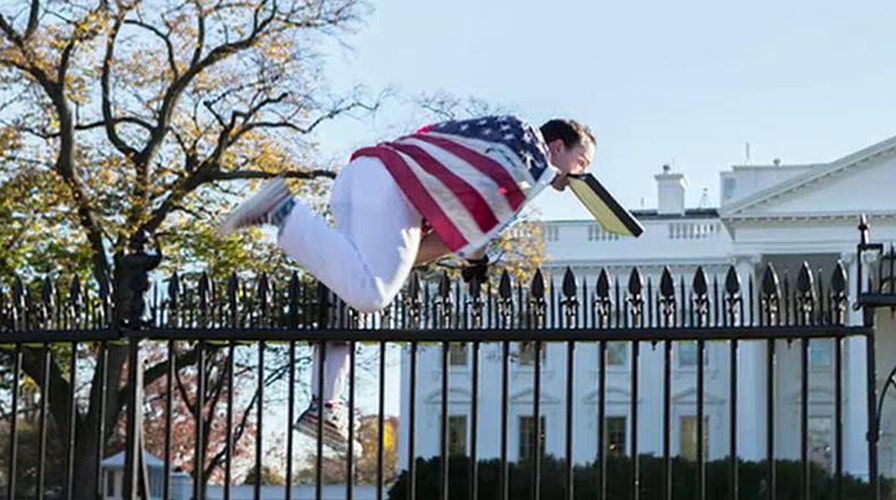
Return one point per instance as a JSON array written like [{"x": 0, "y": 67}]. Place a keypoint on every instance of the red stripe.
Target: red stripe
[
  {"x": 466, "y": 194},
  {"x": 417, "y": 193},
  {"x": 484, "y": 164}
]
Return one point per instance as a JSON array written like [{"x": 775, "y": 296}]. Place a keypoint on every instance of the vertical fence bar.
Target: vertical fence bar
[
  {"x": 570, "y": 367},
  {"x": 380, "y": 428},
  {"x": 102, "y": 367},
  {"x": 169, "y": 411},
  {"x": 412, "y": 416},
  {"x": 350, "y": 465},
  {"x": 699, "y": 311},
  {"x": 667, "y": 315},
  {"x": 732, "y": 422},
  {"x": 474, "y": 431},
  {"x": 602, "y": 421},
  {"x": 805, "y": 470},
  {"x": 505, "y": 385},
  {"x": 838, "y": 418},
  {"x": 228, "y": 427},
  {"x": 290, "y": 417},
  {"x": 259, "y": 415},
  {"x": 536, "y": 408},
  {"x": 13, "y": 425},
  {"x": 72, "y": 423},
  {"x": 636, "y": 468},
  {"x": 770, "y": 419},
  {"x": 873, "y": 426},
  {"x": 199, "y": 455},
  {"x": 47, "y": 358},
  {"x": 443, "y": 425},
  {"x": 734, "y": 305},
  {"x": 319, "y": 459}
]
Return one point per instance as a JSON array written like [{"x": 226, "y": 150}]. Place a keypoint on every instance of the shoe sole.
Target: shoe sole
[
  {"x": 230, "y": 224},
  {"x": 331, "y": 438}
]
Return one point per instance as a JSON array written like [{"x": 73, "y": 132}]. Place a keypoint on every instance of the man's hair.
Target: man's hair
[{"x": 571, "y": 132}]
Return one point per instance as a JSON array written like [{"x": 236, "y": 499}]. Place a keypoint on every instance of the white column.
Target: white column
[
  {"x": 855, "y": 391},
  {"x": 751, "y": 425}
]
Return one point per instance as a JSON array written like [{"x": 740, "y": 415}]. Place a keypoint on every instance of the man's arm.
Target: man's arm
[{"x": 432, "y": 247}]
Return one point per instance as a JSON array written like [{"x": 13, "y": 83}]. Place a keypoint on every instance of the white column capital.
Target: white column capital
[
  {"x": 753, "y": 259},
  {"x": 847, "y": 258}
]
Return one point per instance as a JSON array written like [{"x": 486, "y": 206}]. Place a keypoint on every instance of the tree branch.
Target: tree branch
[
  {"x": 172, "y": 63},
  {"x": 109, "y": 121},
  {"x": 180, "y": 84},
  {"x": 32, "y": 19},
  {"x": 258, "y": 174}
]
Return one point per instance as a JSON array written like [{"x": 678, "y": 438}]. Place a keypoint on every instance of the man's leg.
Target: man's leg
[
  {"x": 368, "y": 256},
  {"x": 365, "y": 259},
  {"x": 335, "y": 371}
]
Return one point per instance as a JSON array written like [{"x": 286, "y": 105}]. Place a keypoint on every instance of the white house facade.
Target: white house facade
[{"x": 778, "y": 214}]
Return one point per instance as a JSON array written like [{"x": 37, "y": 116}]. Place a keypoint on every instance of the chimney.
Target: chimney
[{"x": 670, "y": 191}]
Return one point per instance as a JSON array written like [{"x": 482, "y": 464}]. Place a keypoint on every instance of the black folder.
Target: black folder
[{"x": 611, "y": 216}]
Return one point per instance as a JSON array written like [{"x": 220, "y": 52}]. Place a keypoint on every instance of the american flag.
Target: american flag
[{"x": 468, "y": 178}]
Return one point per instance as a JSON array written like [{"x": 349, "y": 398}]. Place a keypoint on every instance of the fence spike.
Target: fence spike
[
  {"x": 204, "y": 290},
  {"x": 569, "y": 283},
  {"x": 444, "y": 286},
  {"x": 635, "y": 282},
  {"x": 537, "y": 288},
  {"x": 667, "y": 287},
  {"x": 732, "y": 282},
  {"x": 74, "y": 294},
  {"x": 699, "y": 284},
  {"x": 603, "y": 285},
  {"x": 505, "y": 290},
  {"x": 174, "y": 291},
  {"x": 838, "y": 280},
  {"x": 18, "y": 293},
  {"x": 770, "y": 284},
  {"x": 46, "y": 293}
]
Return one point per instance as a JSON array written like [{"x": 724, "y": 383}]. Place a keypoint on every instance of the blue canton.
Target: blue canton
[{"x": 514, "y": 133}]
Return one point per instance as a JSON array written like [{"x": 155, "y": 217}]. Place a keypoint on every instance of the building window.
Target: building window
[
  {"x": 728, "y": 188},
  {"x": 457, "y": 435},
  {"x": 688, "y": 437},
  {"x": 527, "y": 437},
  {"x": 458, "y": 354},
  {"x": 615, "y": 437},
  {"x": 110, "y": 483},
  {"x": 617, "y": 354},
  {"x": 551, "y": 233},
  {"x": 156, "y": 482},
  {"x": 820, "y": 441},
  {"x": 820, "y": 353},
  {"x": 687, "y": 354},
  {"x": 527, "y": 353}
]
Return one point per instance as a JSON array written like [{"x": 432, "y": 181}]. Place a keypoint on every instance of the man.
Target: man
[{"x": 448, "y": 188}]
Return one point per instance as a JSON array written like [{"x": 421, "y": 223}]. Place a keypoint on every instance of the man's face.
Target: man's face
[{"x": 574, "y": 160}]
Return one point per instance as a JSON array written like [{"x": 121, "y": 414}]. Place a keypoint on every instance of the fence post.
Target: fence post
[{"x": 131, "y": 281}]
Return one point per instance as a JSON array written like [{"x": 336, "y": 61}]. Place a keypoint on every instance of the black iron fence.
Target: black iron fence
[{"x": 71, "y": 392}]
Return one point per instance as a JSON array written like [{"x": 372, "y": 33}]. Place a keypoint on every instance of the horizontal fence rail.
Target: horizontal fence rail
[{"x": 219, "y": 362}]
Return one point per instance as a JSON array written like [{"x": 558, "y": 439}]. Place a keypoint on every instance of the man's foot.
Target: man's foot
[
  {"x": 335, "y": 424},
  {"x": 270, "y": 205}
]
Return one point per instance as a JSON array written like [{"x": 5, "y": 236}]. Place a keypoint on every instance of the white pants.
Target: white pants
[{"x": 365, "y": 258}]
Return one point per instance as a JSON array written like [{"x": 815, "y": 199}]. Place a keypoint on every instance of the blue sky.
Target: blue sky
[{"x": 687, "y": 82}]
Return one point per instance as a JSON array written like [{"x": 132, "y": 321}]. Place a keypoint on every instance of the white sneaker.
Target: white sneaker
[
  {"x": 335, "y": 425},
  {"x": 262, "y": 208}
]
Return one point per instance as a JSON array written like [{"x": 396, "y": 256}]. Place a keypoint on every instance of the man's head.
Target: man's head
[{"x": 571, "y": 148}]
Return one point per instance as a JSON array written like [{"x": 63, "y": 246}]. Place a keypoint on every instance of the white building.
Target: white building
[{"x": 780, "y": 214}]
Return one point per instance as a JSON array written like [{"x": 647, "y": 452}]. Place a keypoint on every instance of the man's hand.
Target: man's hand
[{"x": 475, "y": 268}]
